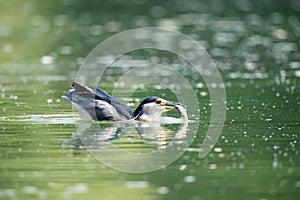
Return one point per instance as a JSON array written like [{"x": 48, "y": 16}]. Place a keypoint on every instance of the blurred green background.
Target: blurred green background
[{"x": 255, "y": 44}]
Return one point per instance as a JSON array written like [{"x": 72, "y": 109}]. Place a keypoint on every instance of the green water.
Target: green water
[{"x": 255, "y": 45}]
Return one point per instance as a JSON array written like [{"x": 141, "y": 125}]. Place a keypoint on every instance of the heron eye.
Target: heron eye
[{"x": 158, "y": 101}]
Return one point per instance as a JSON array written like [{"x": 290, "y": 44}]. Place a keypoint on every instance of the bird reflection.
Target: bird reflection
[{"x": 132, "y": 136}]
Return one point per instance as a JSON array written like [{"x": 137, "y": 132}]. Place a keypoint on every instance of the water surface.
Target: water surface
[{"x": 255, "y": 47}]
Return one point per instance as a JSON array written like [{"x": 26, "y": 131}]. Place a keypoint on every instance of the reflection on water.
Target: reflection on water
[
  {"x": 131, "y": 146},
  {"x": 131, "y": 136}
]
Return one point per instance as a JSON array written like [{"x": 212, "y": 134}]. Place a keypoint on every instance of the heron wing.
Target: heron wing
[
  {"x": 88, "y": 93},
  {"x": 94, "y": 109}
]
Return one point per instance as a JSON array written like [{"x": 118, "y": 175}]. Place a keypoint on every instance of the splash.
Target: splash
[
  {"x": 47, "y": 118},
  {"x": 181, "y": 134},
  {"x": 184, "y": 114}
]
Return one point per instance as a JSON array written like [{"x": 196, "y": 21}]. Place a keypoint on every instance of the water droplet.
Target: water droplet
[
  {"x": 168, "y": 23},
  {"x": 297, "y": 73},
  {"x": 49, "y": 100},
  {"x": 14, "y": 97},
  {"x": 241, "y": 166},
  {"x": 294, "y": 65},
  {"x": 47, "y": 60},
  {"x": 30, "y": 189},
  {"x": 280, "y": 34},
  {"x": 163, "y": 190},
  {"x": 275, "y": 164},
  {"x": 221, "y": 155},
  {"x": 79, "y": 188},
  {"x": 218, "y": 149},
  {"x": 136, "y": 184},
  {"x": 213, "y": 166},
  {"x": 203, "y": 93},
  {"x": 182, "y": 167},
  {"x": 189, "y": 179}
]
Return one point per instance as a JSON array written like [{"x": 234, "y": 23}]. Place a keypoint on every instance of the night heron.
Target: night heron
[{"x": 99, "y": 105}]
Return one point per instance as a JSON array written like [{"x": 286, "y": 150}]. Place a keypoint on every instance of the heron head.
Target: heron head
[{"x": 151, "y": 108}]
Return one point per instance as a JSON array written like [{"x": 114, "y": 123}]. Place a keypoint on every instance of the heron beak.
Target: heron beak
[{"x": 168, "y": 105}]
